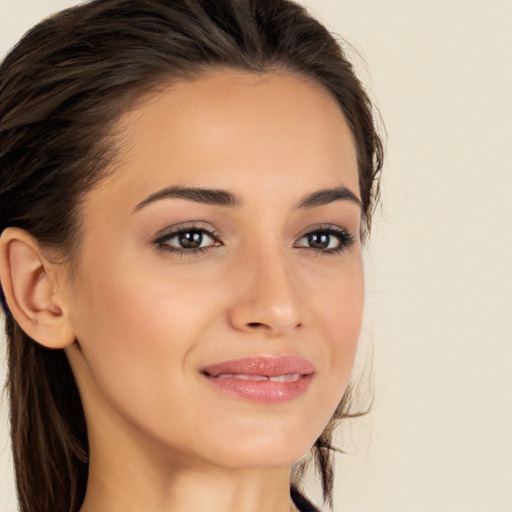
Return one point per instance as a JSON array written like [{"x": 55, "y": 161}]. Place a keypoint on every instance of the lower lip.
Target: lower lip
[{"x": 263, "y": 391}]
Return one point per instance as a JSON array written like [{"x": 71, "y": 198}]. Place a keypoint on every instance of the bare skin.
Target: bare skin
[{"x": 144, "y": 314}]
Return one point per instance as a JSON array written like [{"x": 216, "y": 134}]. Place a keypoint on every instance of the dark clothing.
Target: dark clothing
[{"x": 301, "y": 502}]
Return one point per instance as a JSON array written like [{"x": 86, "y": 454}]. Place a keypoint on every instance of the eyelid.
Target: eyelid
[
  {"x": 345, "y": 237},
  {"x": 197, "y": 225},
  {"x": 166, "y": 238},
  {"x": 323, "y": 227},
  {"x": 170, "y": 232}
]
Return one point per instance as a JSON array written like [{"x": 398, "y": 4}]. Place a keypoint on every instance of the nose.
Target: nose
[{"x": 268, "y": 298}]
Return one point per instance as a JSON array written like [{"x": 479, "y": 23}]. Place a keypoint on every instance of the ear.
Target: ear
[{"x": 32, "y": 291}]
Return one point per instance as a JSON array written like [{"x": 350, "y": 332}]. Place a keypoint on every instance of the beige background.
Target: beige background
[{"x": 440, "y": 264}]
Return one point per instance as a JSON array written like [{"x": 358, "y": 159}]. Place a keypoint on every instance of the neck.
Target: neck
[
  {"x": 138, "y": 481},
  {"x": 240, "y": 491}
]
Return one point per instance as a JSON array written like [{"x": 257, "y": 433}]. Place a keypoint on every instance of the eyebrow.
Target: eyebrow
[
  {"x": 199, "y": 195},
  {"x": 225, "y": 198},
  {"x": 329, "y": 195}
]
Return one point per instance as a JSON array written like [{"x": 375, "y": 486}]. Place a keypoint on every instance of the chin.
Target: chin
[{"x": 261, "y": 453}]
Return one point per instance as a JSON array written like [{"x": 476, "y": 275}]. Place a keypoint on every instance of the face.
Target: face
[{"x": 173, "y": 280}]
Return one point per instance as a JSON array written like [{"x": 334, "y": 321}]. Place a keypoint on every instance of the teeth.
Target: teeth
[
  {"x": 242, "y": 376},
  {"x": 289, "y": 377}
]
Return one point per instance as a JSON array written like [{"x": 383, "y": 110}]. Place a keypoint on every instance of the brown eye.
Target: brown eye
[
  {"x": 190, "y": 239},
  {"x": 330, "y": 240},
  {"x": 187, "y": 240},
  {"x": 320, "y": 240}
]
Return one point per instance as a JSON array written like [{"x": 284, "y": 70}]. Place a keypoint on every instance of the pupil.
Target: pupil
[
  {"x": 191, "y": 240},
  {"x": 319, "y": 240}
]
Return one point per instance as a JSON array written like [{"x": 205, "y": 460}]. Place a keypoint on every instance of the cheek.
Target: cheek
[
  {"x": 136, "y": 331},
  {"x": 134, "y": 307},
  {"x": 340, "y": 314},
  {"x": 344, "y": 313}
]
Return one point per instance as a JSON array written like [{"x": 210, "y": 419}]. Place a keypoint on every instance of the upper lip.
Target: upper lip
[{"x": 262, "y": 365}]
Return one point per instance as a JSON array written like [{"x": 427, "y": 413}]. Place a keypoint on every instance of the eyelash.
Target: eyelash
[
  {"x": 344, "y": 237},
  {"x": 162, "y": 242}
]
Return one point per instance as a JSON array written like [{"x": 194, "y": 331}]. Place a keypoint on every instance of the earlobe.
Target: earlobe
[{"x": 30, "y": 288}]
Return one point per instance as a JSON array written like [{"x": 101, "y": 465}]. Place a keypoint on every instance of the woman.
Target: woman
[{"x": 185, "y": 188}]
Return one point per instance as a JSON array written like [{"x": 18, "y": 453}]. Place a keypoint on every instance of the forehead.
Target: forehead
[{"x": 232, "y": 130}]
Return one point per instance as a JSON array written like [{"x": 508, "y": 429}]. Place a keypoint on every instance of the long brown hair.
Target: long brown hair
[{"x": 62, "y": 89}]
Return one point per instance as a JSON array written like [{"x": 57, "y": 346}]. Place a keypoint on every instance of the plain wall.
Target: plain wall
[{"x": 439, "y": 267}]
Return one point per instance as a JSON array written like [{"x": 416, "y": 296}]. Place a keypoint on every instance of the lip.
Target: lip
[{"x": 263, "y": 391}]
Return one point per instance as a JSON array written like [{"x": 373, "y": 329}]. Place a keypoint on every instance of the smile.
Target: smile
[
  {"x": 261, "y": 379},
  {"x": 289, "y": 377}
]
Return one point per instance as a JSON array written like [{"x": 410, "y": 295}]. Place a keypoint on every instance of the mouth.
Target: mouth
[
  {"x": 288, "y": 377},
  {"x": 261, "y": 379}
]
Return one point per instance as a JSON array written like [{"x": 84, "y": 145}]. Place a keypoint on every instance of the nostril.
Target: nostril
[{"x": 256, "y": 324}]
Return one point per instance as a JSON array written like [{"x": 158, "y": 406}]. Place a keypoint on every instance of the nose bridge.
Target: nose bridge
[
  {"x": 273, "y": 280},
  {"x": 269, "y": 298}
]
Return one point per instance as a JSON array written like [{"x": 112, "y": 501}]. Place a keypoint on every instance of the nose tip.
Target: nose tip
[
  {"x": 268, "y": 303},
  {"x": 251, "y": 316},
  {"x": 277, "y": 319}
]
